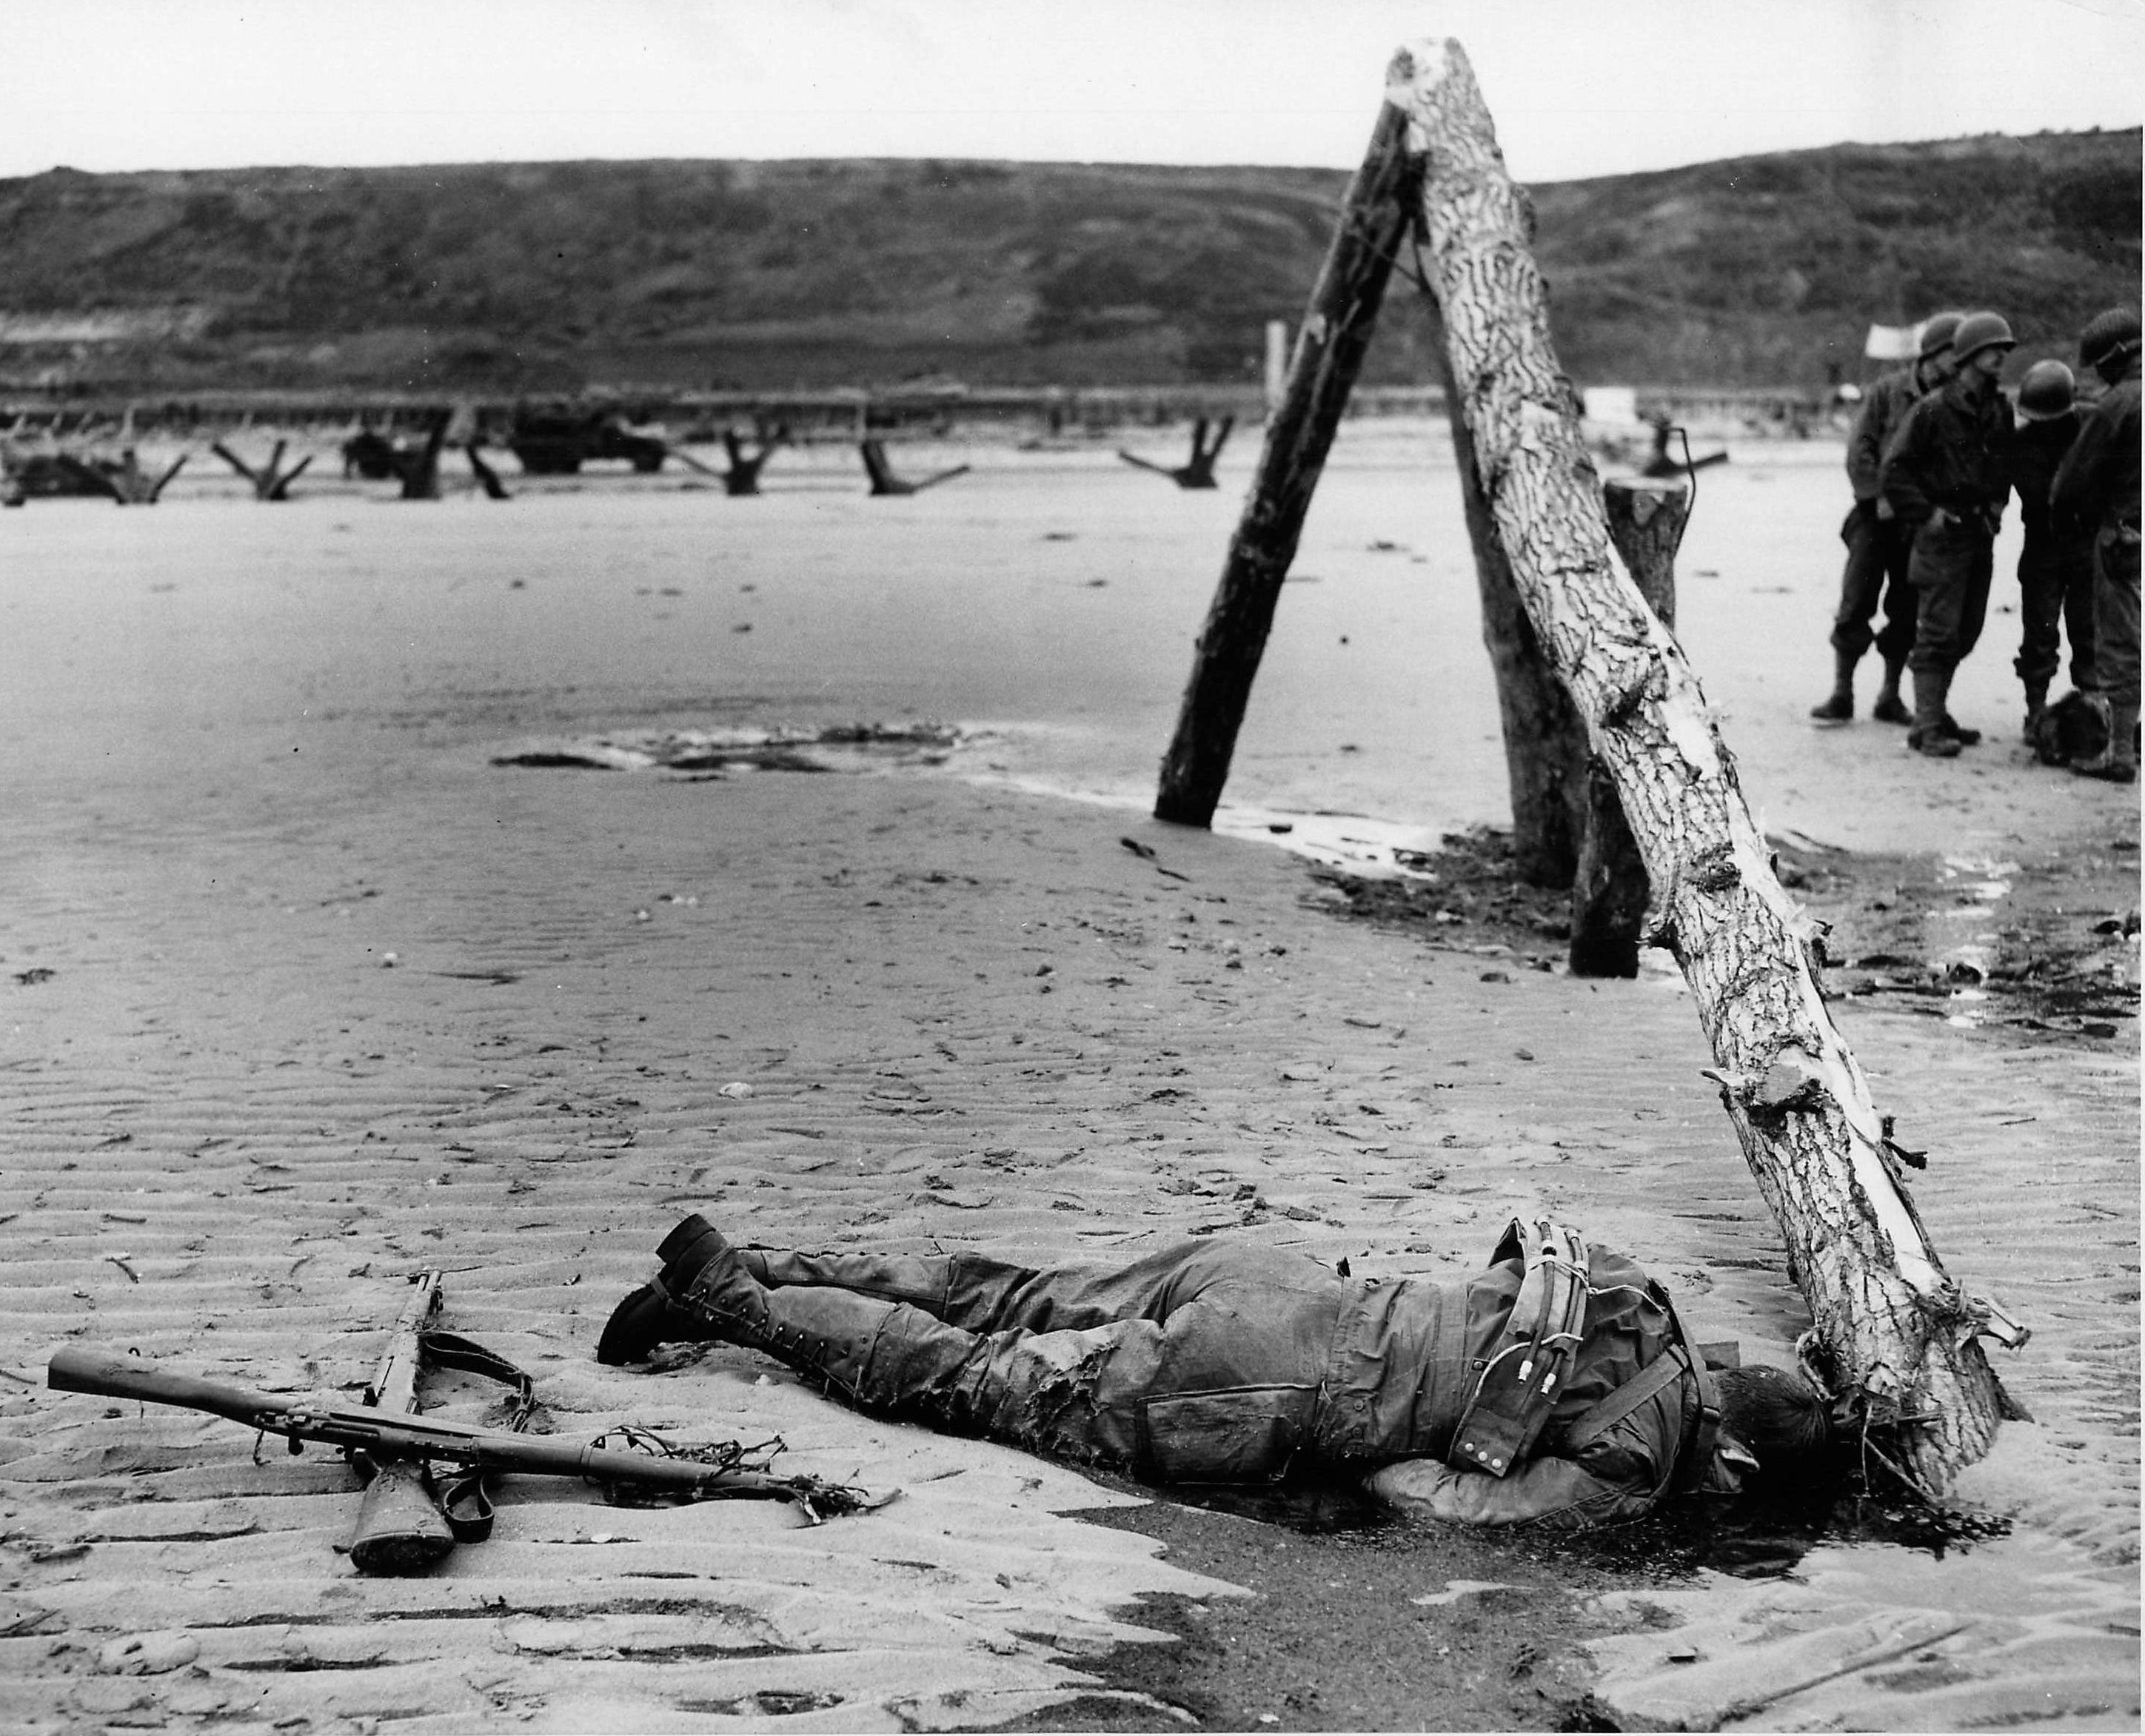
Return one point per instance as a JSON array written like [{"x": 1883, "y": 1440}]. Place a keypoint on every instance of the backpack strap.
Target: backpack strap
[{"x": 1519, "y": 1381}]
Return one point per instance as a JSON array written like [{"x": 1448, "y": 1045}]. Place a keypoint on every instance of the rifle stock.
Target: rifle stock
[{"x": 382, "y": 1435}]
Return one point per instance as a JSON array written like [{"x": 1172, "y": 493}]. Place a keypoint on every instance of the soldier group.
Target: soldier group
[{"x": 1935, "y": 456}]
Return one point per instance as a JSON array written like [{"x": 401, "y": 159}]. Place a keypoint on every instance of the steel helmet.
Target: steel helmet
[
  {"x": 2047, "y": 391},
  {"x": 1979, "y": 331},
  {"x": 1936, "y": 336},
  {"x": 2106, "y": 335}
]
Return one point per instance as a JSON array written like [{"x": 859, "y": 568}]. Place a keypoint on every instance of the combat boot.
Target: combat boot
[
  {"x": 1887, "y": 709},
  {"x": 1928, "y": 736},
  {"x": 661, "y": 1312},
  {"x": 2118, "y": 762},
  {"x": 1839, "y": 706},
  {"x": 2037, "y": 703}
]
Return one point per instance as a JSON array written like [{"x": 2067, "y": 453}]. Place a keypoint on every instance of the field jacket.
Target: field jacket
[
  {"x": 1633, "y": 1419},
  {"x": 2097, "y": 481},
  {"x": 1890, "y": 397},
  {"x": 1949, "y": 454}
]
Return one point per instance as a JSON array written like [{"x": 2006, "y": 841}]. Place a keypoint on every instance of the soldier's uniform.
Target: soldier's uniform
[
  {"x": 2056, "y": 562},
  {"x": 1878, "y": 545},
  {"x": 1554, "y": 1386},
  {"x": 2099, "y": 482},
  {"x": 1944, "y": 475}
]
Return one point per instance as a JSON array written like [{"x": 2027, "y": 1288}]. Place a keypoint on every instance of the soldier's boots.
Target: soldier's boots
[
  {"x": 2118, "y": 762},
  {"x": 1888, "y": 709},
  {"x": 709, "y": 1292},
  {"x": 2037, "y": 705},
  {"x": 1931, "y": 735},
  {"x": 1838, "y": 706}
]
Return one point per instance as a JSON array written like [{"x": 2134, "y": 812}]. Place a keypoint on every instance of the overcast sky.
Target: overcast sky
[{"x": 1577, "y": 87}]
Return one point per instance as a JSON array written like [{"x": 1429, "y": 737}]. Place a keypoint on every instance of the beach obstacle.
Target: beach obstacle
[
  {"x": 487, "y": 478},
  {"x": 120, "y": 480},
  {"x": 1896, "y": 1341},
  {"x": 1198, "y": 471},
  {"x": 271, "y": 482},
  {"x": 741, "y": 476},
  {"x": 884, "y": 481}
]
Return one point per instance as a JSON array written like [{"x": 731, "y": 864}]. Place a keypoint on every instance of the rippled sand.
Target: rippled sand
[{"x": 300, "y": 990}]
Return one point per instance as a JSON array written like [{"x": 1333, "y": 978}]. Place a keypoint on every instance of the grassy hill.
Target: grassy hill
[{"x": 553, "y": 276}]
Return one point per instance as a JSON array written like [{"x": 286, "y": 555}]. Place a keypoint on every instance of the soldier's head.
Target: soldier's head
[
  {"x": 1981, "y": 345},
  {"x": 1780, "y": 1417},
  {"x": 2108, "y": 344},
  {"x": 2047, "y": 391},
  {"x": 1932, "y": 350}
]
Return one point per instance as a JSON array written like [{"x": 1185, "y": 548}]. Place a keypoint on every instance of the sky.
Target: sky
[{"x": 1576, "y": 87}]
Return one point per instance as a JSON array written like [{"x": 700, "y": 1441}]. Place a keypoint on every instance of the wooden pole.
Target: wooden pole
[
  {"x": 1897, "y": 1330},
  {"x": 1610, "y": 891},
  {"x": 1545, "y": 753},
  {"x": 1329, "y": 353}
]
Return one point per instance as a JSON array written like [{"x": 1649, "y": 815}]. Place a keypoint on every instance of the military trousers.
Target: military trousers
[
  {"x": 1198, "y": 1363},
  {"x": 2115, "y": 612},
  {"x": 1951, "y": 568},
  {"x": 2056, "y": 587},
  {"x": 1878, "y": 552}
]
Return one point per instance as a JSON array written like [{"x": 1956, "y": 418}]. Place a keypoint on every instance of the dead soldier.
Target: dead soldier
[{"x": 1555, "y": 1387}]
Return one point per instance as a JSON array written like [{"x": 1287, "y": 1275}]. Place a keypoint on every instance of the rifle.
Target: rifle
[
  {"x": 403, "y": 1526},
  {"x": 650, "y": 1465}
]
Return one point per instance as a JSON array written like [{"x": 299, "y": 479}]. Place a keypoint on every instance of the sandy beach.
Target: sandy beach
[{"x": 302, "y": 989}]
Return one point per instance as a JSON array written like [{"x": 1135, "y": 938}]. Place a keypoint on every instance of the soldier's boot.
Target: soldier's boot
[
  {"x": 1840, "y": 705},
  {"x": 877, "y": 1353},
  {"x": 1888, "y": 708},
  {"x": 1928, "y": 736},
  {"x": 2118, "y": 762},
  {"x": 2037, "y": 703}
]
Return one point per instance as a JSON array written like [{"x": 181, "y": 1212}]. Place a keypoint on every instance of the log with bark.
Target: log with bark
[
  {"x": 1898, "y": 1332},
  {"x": 1329, "y": 353}
]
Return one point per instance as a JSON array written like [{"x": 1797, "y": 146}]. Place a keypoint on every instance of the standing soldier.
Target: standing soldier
[
  {"x": 1944, "y": 476},
  {"x": 1877, "y": 546},
  {"x": 2055, "y": 567},
  {"x": 2099, "y": 483}
]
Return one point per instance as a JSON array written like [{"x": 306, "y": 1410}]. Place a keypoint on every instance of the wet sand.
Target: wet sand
[{"x": 300, "y": 991}]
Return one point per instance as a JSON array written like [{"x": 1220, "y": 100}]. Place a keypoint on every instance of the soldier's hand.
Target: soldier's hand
[{"x": 1885, "y": 515}]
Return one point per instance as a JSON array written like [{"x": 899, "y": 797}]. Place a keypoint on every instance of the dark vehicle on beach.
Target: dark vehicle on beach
[{"x": 559, "y": 442}]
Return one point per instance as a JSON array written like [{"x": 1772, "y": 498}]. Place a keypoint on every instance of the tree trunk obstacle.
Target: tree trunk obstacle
[
  {"x": 1897, "y": 1331},
  {"x": 884, "y": 481},
  {"x": 1329, "y": 353},
  {"x": 1610, "y": 890},
  {"x": 1545, "y": 753},
  {"x": 273, "y": 482},
  {"x": 1897, "y": 1339},
  {"x": 1198, "y": 472}
]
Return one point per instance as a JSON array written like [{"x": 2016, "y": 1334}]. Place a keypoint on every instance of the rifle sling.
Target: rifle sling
[{"x": 463, "y": 1497}]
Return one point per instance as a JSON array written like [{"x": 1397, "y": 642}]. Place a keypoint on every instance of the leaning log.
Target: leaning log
[
  {"x": 1897, "y": 1330},
  {"x": 1329, "y": 353},
  {"x": 1610, "y": 891}
]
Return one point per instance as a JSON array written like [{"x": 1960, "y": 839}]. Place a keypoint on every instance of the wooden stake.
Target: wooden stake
[
  {"x": 1545, "y": 752},
  {"x": 1896, "y": 1330},
  {"x": 1329, "y": 353}
]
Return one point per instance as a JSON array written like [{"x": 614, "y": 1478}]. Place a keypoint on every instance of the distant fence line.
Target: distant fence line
[{"x": 824, "y": 415}]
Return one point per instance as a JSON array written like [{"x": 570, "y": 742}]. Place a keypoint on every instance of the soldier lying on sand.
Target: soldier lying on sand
[{"x": 1557, "y": 1386}]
